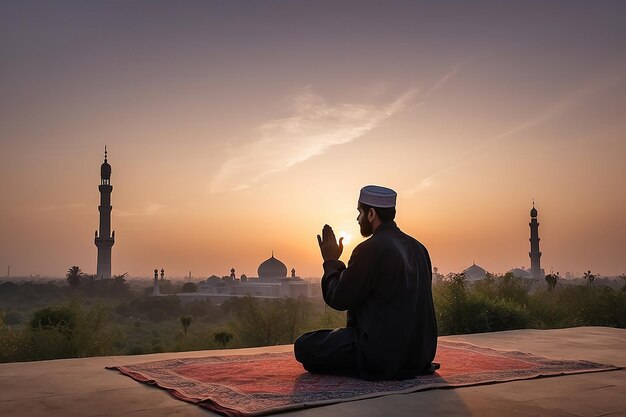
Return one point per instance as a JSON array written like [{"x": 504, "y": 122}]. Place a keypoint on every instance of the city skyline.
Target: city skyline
[{"x": 237, "y": 129}]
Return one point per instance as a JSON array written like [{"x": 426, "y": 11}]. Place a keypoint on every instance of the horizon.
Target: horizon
[{"x": 234, "y": 130}]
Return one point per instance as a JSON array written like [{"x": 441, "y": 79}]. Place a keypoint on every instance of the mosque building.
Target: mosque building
[
  {"x": 475, "y": 273},
  {"x": 535, "y": 273},
  {"x": 272, "y": 282}
]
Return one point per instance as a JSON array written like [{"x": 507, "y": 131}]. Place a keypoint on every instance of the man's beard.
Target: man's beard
[{"x": 366, "y": 227}]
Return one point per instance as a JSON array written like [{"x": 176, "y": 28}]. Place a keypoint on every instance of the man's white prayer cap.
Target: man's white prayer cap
[{"x": 377, "y": 196}]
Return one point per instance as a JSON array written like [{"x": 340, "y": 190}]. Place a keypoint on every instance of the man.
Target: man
[{"x": 391, "y": 330}]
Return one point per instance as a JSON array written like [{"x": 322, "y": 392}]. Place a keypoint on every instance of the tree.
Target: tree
[
  {"x": 223, "y": 338},
  {"x": 589, "y": 277},
  {"x": 186, "y": 322},
  {"x": 119, "y": 283},
  {"x": 551, "y": 280},
  {"x": 189, "y": 287},
  {"x": 62, "y": 319},
  {"x": 73, "y": 276}
]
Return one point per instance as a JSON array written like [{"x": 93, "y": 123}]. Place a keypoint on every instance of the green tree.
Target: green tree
[
  {"x": 59, "y": 319},
  {"x": 119, "y": 283},
  {"x": 451, "y": 304},
  {"x": 73, "y": 276},
  {"x": 223, "y": 338},
  {"x": 589, "y": 277},
  {"x": 552, "y": 280},
  {"x": 186, "y": 322},
  {"x": 512, "y": 288},
  {"x": 269, "y": 322}
]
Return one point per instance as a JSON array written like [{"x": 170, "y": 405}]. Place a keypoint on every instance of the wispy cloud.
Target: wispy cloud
[
  {"x": 147, "y": 211},
  {"x": 312, "y": 129},
  {"x": 443, "y": 80},
  {"x": 547, "y": 114}
]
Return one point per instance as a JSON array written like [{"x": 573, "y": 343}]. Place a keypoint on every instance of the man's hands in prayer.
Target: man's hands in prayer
[{"x": 328, "y": 244}]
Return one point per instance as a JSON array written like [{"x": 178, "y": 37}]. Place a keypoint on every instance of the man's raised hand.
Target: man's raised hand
[{"x": 328, "y": 244}]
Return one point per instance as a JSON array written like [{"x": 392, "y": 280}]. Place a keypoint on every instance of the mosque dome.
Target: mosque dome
[
  {"x": 475, "y": 273},
  {"x": 272, "y": 268},
  {"x": 520, "y": 273}
]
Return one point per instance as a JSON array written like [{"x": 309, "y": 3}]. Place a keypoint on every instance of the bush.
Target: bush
[
  {"x": 13, "y": 317},
  {"x": 157, "y": 314},
  {"x": 489, "y": 305},
  {"x": 269, "y": 322},
  {"x": 65, "y": 331},
  {"x": 59, "y": 319}
]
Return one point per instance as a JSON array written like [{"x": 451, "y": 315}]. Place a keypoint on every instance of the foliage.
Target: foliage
[
  {"x": 589, "y": 277},
  {"x": 223, "y": 338},
  {"x": 73, "y": 276},
  {"x": 65, "y": 331},
  {"x": 13, "y": 318},
  {"x": 59, "y": 319},
  {"x": 492, "y": 304},
  {"x": 45, "y": 321},
  {"x": 185, "y": 321},
  {"x": 264, "y": 322},
  {"x": 552, "y": 280}
]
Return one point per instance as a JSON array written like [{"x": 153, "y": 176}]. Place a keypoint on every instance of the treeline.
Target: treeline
[
  {"x": 65, "y": 331},
  {"x": 505, "y": 303},
  {"x": 158, "y": 324},
  {"x": 136, "y": 323}
]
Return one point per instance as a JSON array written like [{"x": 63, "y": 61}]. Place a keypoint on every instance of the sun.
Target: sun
[{"x": 347, "y": 237}]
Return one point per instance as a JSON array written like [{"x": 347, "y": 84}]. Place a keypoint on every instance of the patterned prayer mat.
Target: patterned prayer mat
[{"x": 252, "y": 385}]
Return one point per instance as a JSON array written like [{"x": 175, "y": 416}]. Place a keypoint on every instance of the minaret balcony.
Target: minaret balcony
[{"x": 104, "y": 242}]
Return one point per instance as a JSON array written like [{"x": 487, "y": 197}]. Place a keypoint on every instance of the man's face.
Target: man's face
[{"x": 364, "y": 223}]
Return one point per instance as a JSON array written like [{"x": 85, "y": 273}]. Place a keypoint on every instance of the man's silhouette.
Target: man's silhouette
[{"x": 391, "y": 332}]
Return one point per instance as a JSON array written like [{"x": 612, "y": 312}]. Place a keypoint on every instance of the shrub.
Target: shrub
[
  {"x": 58, "y": 332},
  {"x": 13, "y": 317}
]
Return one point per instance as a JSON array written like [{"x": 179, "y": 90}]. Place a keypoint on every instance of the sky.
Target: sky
[{"x": 236, "y": 128}]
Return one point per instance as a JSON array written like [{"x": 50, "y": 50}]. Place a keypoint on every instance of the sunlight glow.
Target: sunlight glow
[{"x": 347, "y": 238}]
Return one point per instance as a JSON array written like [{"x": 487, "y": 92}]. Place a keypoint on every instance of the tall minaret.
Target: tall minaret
[
  {"x": 535, "y": 256},
  {"x": 105, "y": 240}
]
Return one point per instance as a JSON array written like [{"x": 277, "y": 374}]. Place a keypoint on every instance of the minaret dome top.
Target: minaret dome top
[
  {"x": 105, "y": 168},
  {"x": 533, "y": 211}
]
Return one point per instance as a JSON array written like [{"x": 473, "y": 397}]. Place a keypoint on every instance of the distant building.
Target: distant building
[
  {"x": 520, "y": 273},
  {"x": 155, "y": 289},
  {"x": 105, "y": 240},
  {"x": 272, "y": 282},
  {"x": 475, "y": 273}
]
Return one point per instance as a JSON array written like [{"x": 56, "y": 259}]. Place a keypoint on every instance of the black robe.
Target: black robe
[{"x": 391, "y": 329}]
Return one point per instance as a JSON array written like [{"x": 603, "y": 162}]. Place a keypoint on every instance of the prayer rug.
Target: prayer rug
[{"x": 252, "y": 385}]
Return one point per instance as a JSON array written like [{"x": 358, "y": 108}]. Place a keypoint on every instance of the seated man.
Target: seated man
[{"x": 391, "y": 331}]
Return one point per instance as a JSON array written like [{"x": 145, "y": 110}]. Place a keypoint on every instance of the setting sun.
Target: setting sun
[{"x": 347, "y": 237}]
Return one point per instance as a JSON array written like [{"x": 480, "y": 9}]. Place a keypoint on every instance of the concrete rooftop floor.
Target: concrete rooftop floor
[{"x": 82, "y": 387}]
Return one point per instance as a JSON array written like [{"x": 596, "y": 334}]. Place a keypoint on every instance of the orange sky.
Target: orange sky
[{"x": 234, "y": 131}]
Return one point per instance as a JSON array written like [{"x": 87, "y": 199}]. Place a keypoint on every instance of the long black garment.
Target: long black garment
[{"x": 391, "y": 326}]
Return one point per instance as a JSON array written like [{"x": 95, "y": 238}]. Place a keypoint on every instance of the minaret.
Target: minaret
[
  {"x": 535, "y": 256},
  {"x": 155, "y": 290},
  {"x": 104, "y": 241}
]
